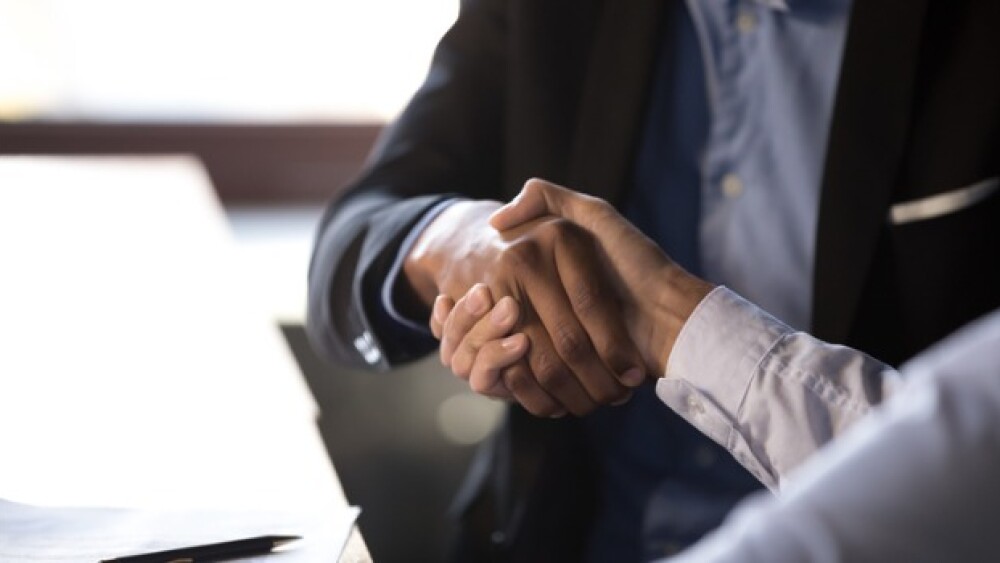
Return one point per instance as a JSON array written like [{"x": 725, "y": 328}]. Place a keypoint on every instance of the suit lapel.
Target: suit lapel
[
  {"x": 867, "y": 136},
  {"x": 615, "y": 93}
]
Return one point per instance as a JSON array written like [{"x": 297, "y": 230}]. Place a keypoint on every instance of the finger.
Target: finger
[
  {"x": 492, "y": 327},
  {"x": 439, "y": 314},
  {"x": 467, "y": 311},
  {"x": 560, "y": 372},
  {"x": 631, "y": 253},
  {"x": 530, "y": 203},
  {"x": 539, "y": 198},
  {"x": 593, "y": 298},
  {"x": 536, "y": 199},
  {"x": 519, "y": 380},
  {"x": 494, "y": 357},
  {"x": 562, "y": 355},
  {"x": 499, "y": 391}
]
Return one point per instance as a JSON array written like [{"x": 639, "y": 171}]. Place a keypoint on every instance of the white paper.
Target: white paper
[{"x": 35, "y": 534}]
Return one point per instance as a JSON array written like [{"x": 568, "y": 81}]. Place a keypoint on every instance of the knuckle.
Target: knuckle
[
  {"x": 561, "y": 228},
  {"x": 586, "y": 297},
  {"x": 516, "y": 380},
  {"x": 524, "y": 253},
  {"x": 574, "y": 232},
  {"x": 610, "y": 352},
  {"x": 553, "y": 379},
  {"x": 571, "y": 344},
  {"x": 601, "y": 208},
  {"x": 550, "y": 372}
]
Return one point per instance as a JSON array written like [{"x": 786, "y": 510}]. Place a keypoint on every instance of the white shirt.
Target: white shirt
[
  {"x": 769, "y": 394},
  {"x": 917, "y": 479}
]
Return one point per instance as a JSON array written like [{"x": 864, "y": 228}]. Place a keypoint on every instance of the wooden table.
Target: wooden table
[{"x": 136, "y": 367}]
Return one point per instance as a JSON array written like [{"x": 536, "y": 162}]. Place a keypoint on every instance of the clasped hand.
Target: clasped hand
[{"x": 573, "y": 309}]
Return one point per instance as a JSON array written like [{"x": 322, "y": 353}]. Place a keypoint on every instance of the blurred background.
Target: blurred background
[{"x": 281, "y": 101}]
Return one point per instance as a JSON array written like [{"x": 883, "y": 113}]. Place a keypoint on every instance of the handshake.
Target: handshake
[{"x": 553, "y": 300}]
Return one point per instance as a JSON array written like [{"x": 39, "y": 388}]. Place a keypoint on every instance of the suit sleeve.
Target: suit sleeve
[{"x": 446, "y": 143}]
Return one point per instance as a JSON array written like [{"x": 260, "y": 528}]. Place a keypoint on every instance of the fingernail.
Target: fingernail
[
  {"x": 475, "y": 303},
  {"x": 439, "y": 310},
  {"x": 558, "y": 414},
  {"x": 502, "y": 312},
  {"x": 511, "y": 342},
  {"x": 622, "y": 401},
  {"x": 633, "y": 377}
]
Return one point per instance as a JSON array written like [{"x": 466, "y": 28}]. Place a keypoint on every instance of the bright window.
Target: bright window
[{"x": 215, "y": 60}]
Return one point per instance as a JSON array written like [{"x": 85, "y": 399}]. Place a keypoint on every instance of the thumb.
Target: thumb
[
  {"x": 537, "y": 199},
  {"x": 631, "y": 253}
]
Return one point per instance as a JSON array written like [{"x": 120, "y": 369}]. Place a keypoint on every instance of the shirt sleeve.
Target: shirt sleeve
[
  {"x": 392, "y": 292},
  {"x": 916, "y": 480},
  {"x": 770, "y": 395}
]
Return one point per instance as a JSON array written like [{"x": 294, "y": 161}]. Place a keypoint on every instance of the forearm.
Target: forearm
[{"x": 771, "y": 395}]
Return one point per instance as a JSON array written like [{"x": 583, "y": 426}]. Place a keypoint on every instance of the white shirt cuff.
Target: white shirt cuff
[
  {"x": 770, "y": 395},
  {"x": 711, "y": 366}
]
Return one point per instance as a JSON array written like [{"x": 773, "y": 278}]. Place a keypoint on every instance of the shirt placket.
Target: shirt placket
[{"x": 727, "y": 31}]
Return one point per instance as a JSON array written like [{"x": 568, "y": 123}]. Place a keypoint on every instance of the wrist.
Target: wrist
[
  {"x": 423, "y": 260},
  {"x": 448, "y": 246},
  {"x": 676, "y": 296}
]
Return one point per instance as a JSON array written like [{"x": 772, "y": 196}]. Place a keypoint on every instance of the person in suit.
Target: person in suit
[{"x": 835, "y": 163}]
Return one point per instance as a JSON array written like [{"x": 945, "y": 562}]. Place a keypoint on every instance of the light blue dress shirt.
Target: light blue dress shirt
[
  {"x": 727, "y": 181},
  {"x": 769, "y": 70}
]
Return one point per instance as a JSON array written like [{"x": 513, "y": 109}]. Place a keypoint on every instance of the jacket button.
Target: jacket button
[{"x": 365, "y": 345}]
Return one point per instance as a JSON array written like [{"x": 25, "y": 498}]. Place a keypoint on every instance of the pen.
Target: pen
[{"x": 210, "y": 552}]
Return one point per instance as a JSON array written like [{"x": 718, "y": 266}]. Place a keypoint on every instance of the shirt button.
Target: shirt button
[
  {"x": 746, "y": 21},
  {"x": 732, "y": 186},
  {"x": 694, "y": 405}
]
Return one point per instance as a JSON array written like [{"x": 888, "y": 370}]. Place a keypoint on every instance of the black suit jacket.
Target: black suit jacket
[{"x": 557, "y": 89}]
